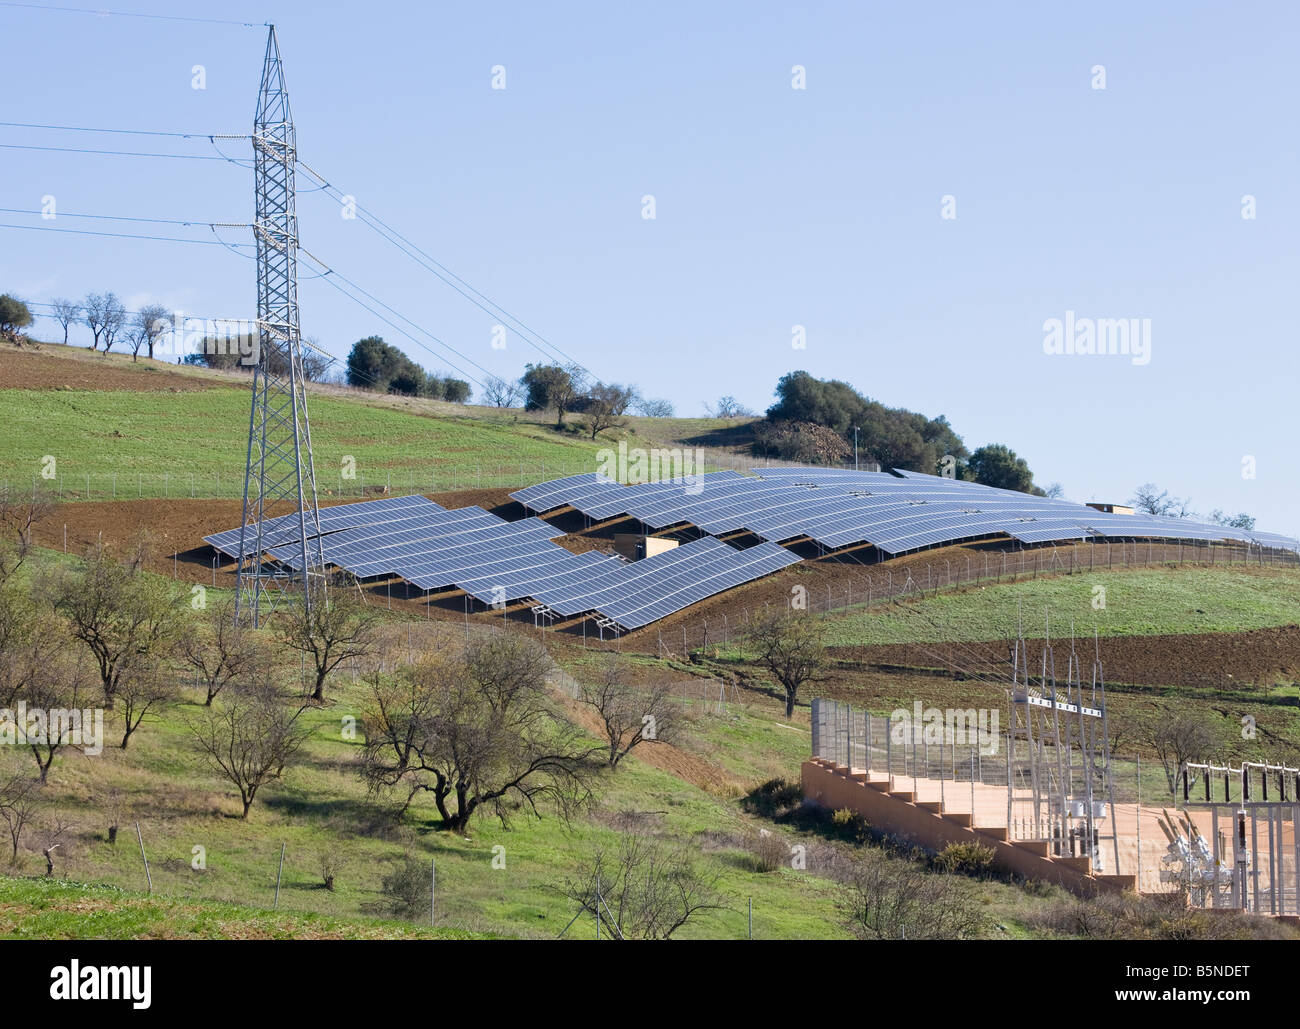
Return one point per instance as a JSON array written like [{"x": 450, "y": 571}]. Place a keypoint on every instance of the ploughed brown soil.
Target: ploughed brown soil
[
  {"x": 53, "y": 367},
  {"x": 1257, "y": 656}
]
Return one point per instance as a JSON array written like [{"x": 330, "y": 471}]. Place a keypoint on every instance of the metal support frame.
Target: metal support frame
[{"x": 280, "y": 477}]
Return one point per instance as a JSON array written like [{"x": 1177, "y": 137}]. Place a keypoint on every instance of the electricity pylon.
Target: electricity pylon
[{"x": 280, "y": 479}]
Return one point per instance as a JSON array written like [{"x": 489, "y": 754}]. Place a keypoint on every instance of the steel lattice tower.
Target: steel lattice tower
[{"x": 280, "y": 479}]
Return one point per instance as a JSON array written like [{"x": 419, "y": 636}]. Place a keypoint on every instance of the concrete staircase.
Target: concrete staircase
[{"x": 895, "y": 806}]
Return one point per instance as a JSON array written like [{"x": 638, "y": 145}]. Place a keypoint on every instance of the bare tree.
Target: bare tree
[
  {"x": 793, "y": 649},
  {"x": 606, "y": 406},
  {"x": 499, "y": 392},
  {"x": 250, "y": 738},
  {"x": 65, "y": 313},
  {"x": 55, "y": 701},
  {"x": 104, "y": 315},
  {"x": 648, "y": 407},
  {"x": 1178, "y": 735},
  {"x": 1150, "y": 499},
  {"x": 890, "y": 897},
  {"x": 223, "y": 652},
  {"x": 141, "y": 690},
  {"x": 645, "y": 889},
  {"x": 51, "y": 835},
  {"x": 567, "y": 389},
  {"x": 17, "y": 807},
  {"x": 20, "y": 511},
  {"x": 121, "y": 615},
  {"x": 335, "y": 626},
  {"x": 476, "y": 730},
  {"x": 629, "y": 715},
  {"x": 728, "y": 407}
]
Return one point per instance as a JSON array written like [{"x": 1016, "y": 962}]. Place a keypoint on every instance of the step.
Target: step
[
  {"x": 996, "y": 832},
  {"x": 1040, "y": 847},
  {"x": 961, "y": 818},
  {"x": 904, "y": 795},
  {"x": 1124, "y": 882},
  {"x": 931, "y": 805},
  {"x": 1082, "y": 865}
]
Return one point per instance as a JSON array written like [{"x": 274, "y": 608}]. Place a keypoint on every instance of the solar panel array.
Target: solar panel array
[
  {"x": 497, "y": 562},
  {"x": 896, "y": 513}
]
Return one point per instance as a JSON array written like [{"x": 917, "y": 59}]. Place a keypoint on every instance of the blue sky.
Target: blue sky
[{"x": 775, "y": 207}]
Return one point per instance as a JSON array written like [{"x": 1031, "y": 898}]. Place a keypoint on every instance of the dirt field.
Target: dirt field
[
  {"x": 1260, "y": 656},
  {"x": 57, "y": 368}
]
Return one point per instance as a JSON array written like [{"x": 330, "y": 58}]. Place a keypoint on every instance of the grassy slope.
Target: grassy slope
[
  {"x": 46, "y": 909},
  {"x": 154, "y": 440},
  {"x": 319, "y": 808},
  {"x": 1139, "y": 602}
]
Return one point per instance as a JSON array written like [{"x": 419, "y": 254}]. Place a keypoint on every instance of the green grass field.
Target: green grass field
[
  {"x": 1138, "y": 602},
  {"x": 54, "y": 909}
]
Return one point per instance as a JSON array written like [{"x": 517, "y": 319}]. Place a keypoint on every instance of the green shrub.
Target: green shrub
[{"x": 967, "y": 858}]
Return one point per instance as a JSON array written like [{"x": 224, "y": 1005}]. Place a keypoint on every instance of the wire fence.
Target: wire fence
[
  {"x": 353, "y": 481},
  {"x": 862, "y": 586}
]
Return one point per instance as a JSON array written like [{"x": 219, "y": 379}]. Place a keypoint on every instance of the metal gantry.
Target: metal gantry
[{"x": 280, "y": 478}]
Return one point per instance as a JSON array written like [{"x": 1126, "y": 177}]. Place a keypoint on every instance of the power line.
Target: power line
[
  {"x": 129, "y": 14},
  {"x": 330, "y": 277},
  {"x": 492, "y": 308},
  {"x": 125, "y": 218},
  {"x": 123, "y": 132},
  {"x": 115, "y": 153},
  {"x": 124, "y": 235}
]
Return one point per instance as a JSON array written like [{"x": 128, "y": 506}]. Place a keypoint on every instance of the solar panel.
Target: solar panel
[
  {"x": 672, "y": 590},
  {"x": 285, "y": 529}
]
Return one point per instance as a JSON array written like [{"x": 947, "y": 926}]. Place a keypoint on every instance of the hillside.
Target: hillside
[{"x": 102, "y": 417}]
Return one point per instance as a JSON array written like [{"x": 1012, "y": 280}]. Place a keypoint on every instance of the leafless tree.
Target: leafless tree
[
  {"x": 17, "y": 808},
  {"x": 648, "y": 407},
  {"x": 20, "y": 511},
  {"x": 336, "y": 626},
  {"x": 792, "y": 647},
  {"x": 223, "y": 652},
  {"x": 476, "y": 730},
  {"x": 65, "y": 313},
  {"x": 104, "y": 316},
  {"x": 55, "y": 698},
  {"x": 140, "y": 690},
  {"x": 250, "y": 738},
  {"x": 151, "y": 322},
  {"x": 728, "y": 407},
  {"x": 891, "y": 897},
  {"x": 121, "y": 615},
  {"x": 1180, "y": 735},
  {"x": 567, "y": 389},
  {"x": 607, "y": 403},
  {"x": 1150, "y": 499},
  {"x": 51, "y": 836},
  {"x": 499, "y": 392},
  {"x": 629, "y": 715},
  {"x": 645, "y": 888}
]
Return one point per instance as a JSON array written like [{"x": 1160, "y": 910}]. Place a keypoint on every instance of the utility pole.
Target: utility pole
[
  {"x": 855, "y": 447},
  {"x": 280, "y": 478}
]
